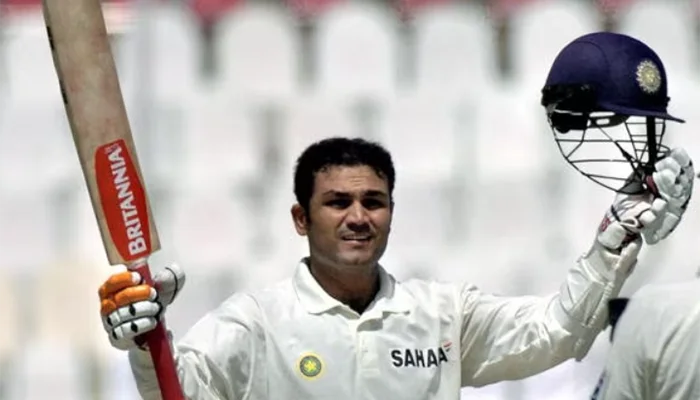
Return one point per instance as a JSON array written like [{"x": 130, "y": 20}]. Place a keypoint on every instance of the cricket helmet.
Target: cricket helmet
[{"x": 604, "y": 80}]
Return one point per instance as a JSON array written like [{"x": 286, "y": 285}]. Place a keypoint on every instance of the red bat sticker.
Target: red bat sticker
[{"x": 123, "y": 200}]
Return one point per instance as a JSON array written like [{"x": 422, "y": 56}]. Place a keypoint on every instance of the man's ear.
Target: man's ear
[
  {"x": 391, "y": 208},
  {"x": 301, "y": 222}
]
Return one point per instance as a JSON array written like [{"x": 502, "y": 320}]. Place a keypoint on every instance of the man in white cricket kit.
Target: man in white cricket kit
[
  {"x": 342, "y": 328},
  {"x": 655, "y": 353}
]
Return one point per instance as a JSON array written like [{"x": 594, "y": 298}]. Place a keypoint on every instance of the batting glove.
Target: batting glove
[
  {"x": 130, "y": 307},
  {"x": 655, "y": 214},
  {"x": 674, "y": 179}
]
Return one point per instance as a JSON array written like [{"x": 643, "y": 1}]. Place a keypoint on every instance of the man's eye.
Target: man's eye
[
  {"x": 372, "y": 204},
  {"x": 338, "y": 203}
]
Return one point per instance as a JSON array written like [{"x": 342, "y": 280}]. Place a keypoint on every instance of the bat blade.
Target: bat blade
[
  {"x": 99, "y": 124},
  {"x": 97, "y": 116}
]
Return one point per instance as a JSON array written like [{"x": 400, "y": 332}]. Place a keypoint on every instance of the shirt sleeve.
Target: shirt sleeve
[
  {"x": 509, "y": 338},
  {"x": 219, "y": 358}
]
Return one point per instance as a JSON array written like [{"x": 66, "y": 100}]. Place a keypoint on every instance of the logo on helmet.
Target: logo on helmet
[{"x": 648, "y": 77}]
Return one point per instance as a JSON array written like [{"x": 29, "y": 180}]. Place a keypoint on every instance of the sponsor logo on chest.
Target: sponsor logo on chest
[{"x": 420, "y": 358}]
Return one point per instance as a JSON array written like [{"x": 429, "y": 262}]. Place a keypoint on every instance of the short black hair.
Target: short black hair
[{"x": 339, "y": 151}]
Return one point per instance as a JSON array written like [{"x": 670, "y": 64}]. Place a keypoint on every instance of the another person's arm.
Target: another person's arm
[{"x": 626, "y": 375}]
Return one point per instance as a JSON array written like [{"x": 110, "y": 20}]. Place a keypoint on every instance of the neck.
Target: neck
[{"x": 356, "y": 289}]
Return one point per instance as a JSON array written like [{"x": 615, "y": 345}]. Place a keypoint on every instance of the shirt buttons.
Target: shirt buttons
[{"x": 367, "y": 356}]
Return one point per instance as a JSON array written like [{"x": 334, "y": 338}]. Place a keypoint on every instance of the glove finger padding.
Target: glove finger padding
[
  {"x": 650, "y": 216},
  {"x": 674, "y": 179},
  {"x": 118, "y": 282},
  {"x": 655, "y": 214},
  {"x": 124, "y": 336},
  {"x": 124, "y": 315},
  {"x": 126, "y": 297},
  {"x": 131, "y": 308},
  {"x": 668, "y": 224},
  {"x": 655, "y": 222}
]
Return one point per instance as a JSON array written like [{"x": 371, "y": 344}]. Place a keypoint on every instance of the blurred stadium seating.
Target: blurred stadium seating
[{"x": 224, "y": 94}]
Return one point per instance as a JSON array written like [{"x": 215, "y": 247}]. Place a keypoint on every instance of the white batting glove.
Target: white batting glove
[
  {"x": 674, "y": 179},
  {"x": 130, "y": 308},
  {"x": 655, "y": 214}
]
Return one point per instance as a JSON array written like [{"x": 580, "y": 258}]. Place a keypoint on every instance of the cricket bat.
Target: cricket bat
[{"x": 97, "y": 117}]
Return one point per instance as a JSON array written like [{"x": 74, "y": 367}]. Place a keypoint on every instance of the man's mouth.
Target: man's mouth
[{"x": 357, "y": 238}]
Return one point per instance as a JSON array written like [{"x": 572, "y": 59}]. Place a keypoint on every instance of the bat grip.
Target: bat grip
[{"x": 159, "y": 347}]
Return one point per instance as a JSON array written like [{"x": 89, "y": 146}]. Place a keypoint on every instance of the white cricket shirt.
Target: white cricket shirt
[
  {"x": 418, "y": 340},
  {"x": 655, "y": 354}
]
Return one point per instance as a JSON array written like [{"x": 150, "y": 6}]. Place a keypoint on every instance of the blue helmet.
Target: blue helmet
[
  {"x": 606, "y": 71},
  {"x": 601, "y": 80}
]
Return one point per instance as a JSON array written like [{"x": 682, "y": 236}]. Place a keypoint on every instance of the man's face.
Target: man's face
[{"x": 349, "y": 217}]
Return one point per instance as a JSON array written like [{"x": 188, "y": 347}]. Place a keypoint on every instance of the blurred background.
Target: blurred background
[{"x": 224, "y": 94}]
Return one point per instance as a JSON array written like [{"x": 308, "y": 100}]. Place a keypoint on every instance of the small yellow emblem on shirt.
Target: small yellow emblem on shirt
[{"x": 310, "y": 366}]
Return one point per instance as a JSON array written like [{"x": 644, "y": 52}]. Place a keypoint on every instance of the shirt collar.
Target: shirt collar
[{"x": 391, "y": 297}]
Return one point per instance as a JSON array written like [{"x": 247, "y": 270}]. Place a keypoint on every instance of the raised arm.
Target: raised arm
[
  {"x": 505, "y": 338},
  {"x": 509, "y": 338}
]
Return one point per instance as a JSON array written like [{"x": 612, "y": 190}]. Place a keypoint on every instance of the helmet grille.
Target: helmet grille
[{"x": 616, "y": 151}]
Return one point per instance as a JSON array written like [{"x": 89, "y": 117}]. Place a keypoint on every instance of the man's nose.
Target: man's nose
[{"x": 357, "y": 215}]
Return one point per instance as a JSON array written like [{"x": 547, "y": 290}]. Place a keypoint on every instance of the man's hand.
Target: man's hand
[
  {"x": 130, "y": 308},
  {"x": 655, "y": 214},
  {"x": 674, "y": 179}
]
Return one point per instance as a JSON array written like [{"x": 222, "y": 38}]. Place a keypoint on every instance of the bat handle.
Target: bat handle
[{"x": 159, "y": 347}]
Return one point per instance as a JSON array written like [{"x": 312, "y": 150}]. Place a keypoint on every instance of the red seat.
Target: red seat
[
  {"x": 21, "y": 3},
  {"x": 408, "y": 8},
  {"x": 37, "y": 3},
  {"x": 612, "y": 6},
  {"x": 504, "y": 8},
  {"x": 209, "y": 11},
  {"x": 310, "y": 8}
]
